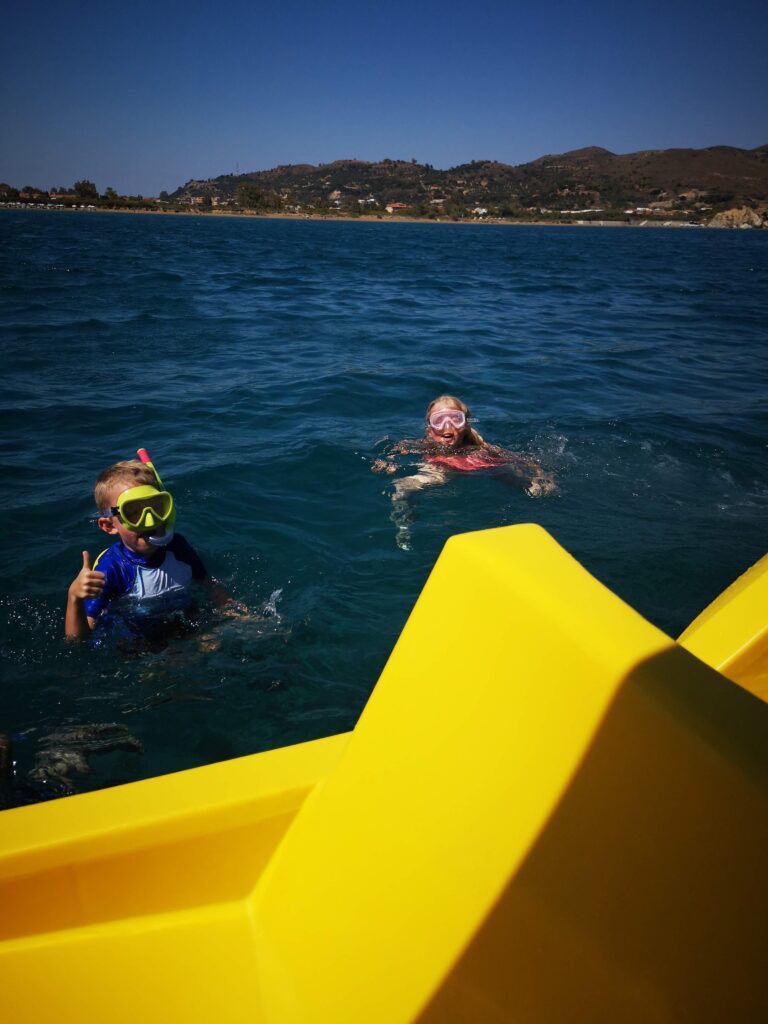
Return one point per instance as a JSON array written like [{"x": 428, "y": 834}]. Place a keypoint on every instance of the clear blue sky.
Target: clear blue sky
[{"x": 143, "y": 96}]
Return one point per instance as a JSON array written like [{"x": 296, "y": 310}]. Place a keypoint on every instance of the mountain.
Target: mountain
[{"x": 589, "y": 178}]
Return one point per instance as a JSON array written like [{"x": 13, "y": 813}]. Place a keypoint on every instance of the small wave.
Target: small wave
[{"x": 269, "y": 608}]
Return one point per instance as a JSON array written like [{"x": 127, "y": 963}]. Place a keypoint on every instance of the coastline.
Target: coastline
[{"x": 367, "y": 218}]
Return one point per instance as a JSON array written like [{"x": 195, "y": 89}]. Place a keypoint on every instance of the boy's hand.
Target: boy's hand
[{"x": 87, "y": 583}]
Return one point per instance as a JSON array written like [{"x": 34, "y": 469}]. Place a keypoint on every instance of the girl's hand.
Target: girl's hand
[
  {"x": 541, "y": 485},
  {"x": 382, "y": 466}
]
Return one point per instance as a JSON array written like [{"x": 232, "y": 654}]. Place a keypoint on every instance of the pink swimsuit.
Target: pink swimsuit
[{"x": 468, "y": 462}]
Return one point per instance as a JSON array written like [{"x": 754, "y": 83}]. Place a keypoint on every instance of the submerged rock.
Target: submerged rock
[{"x": 67, "y": 750}]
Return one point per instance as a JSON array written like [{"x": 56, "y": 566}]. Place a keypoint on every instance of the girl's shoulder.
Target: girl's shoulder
[{"x": 408, "y": 446}]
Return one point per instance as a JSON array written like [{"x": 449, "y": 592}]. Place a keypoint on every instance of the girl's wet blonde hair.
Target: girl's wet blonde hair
[
  {"x": 132, "y": 472},
  {"x": 452, "y": 402}
]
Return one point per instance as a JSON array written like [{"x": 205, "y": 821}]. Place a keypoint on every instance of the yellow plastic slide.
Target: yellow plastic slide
[
  {"x": 549, "y": 811},
  {"x": 731, "y": 634}
]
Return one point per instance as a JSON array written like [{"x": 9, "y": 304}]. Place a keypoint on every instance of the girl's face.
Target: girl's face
[{"x": 447, "y": 426}]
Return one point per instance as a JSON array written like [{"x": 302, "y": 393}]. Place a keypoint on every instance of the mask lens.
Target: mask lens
[
  {"x": 455, "y": 417},
  {"x": 133, "y": 511}
]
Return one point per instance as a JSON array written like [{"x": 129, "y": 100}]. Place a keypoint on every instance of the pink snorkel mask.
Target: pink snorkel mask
[{"x": 440, "y": 418}]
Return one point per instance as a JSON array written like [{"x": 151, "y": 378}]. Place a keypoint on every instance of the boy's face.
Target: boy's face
[{"x": 138, "y": 542}]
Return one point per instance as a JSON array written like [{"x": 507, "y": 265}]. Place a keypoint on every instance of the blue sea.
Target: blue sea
[{"x": 265, "y": 364}]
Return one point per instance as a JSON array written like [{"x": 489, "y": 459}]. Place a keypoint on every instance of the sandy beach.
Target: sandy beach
[{"x": 367, "y": 218}]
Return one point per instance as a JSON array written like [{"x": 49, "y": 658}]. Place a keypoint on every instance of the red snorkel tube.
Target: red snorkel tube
[
  {"x": 144, "y": 456},
  {"x": 168, "y": 535}
]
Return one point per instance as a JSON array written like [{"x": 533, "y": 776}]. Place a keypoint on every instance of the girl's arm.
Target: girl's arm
[
  {"x": 387, "y": 462},
  {"x": 527, "y": 474},
  {"x": 428, "y": 476}
]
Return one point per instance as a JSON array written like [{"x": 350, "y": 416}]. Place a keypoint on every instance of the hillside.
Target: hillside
[{"x": 681, "y": 181}]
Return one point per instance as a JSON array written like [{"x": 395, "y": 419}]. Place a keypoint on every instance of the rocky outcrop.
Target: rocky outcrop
[{"x": 740, "y": 217}]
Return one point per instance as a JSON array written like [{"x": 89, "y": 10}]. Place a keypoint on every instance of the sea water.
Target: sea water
[{"x": 265, "y": 363}]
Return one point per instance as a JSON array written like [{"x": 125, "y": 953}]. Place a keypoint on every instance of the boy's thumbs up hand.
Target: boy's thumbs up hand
[{"x": 87, "y": 583}]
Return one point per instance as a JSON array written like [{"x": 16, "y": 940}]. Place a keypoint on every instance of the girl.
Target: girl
[{"x": 452, "y": 445}]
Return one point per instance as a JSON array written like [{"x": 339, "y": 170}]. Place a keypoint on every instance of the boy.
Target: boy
[{"x": 148, "y": 561}]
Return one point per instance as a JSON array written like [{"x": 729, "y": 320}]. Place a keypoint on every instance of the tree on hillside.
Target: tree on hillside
[
  {"x": 86, "y": 189},
  {"x": 510, "y": 207},
  {"x": 454, "y": 208},
  {"x": 351, "y": 206},
  {"x": 250, "y": 196}
]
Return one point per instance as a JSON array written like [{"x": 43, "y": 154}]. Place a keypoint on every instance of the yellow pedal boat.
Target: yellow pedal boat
[{"x": 559, "y": 814}]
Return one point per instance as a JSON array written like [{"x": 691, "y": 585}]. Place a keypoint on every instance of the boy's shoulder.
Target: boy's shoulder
[
  {"x": 179, "y": 545},
  {"x": 181, "y": 549},
  {"x": 113, "y": 558}
]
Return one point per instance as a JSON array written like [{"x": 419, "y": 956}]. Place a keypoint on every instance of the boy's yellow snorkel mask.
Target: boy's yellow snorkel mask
[{"x": 147, "y": 508}]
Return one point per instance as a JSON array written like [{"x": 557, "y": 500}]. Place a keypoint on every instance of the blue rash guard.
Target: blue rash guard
[{"x": 159, "y": 581}]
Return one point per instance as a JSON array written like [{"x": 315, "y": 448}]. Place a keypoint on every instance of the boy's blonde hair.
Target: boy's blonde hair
[
  {"x": 452, "y": 402},
  {"x": 131, "y": 472}
]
